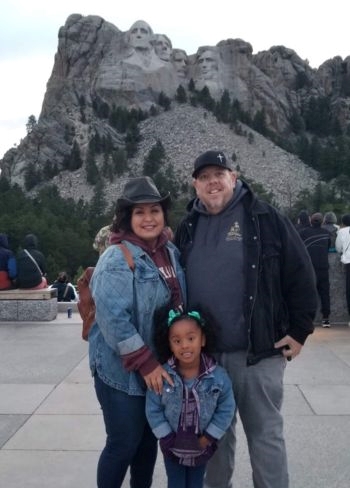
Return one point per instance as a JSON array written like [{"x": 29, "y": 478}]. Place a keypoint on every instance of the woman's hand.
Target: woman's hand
[{"x": 154, "y": 379}]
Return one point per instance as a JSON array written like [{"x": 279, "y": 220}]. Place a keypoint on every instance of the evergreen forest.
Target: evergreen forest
[{"x": 66, "y": 229}]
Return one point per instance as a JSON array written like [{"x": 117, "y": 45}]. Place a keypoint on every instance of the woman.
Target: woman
[
  {"x": 342, "y": 245},
  {"x": 120, "y": 342}
]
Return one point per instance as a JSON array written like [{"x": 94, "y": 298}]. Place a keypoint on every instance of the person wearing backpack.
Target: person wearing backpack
[
  {"x": 31, "y": 265},
  {"x": 65, "y": 290},
  {"x": 121, "y": 350}
]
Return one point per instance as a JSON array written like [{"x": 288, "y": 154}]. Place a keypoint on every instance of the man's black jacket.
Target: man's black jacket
[{"x": 280, "y": 296}]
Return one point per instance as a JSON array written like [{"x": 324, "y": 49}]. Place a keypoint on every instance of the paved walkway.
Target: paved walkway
[{"x": 51, "y": 429}]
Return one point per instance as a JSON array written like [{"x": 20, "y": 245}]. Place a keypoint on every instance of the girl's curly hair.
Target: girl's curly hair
[{"x": 161, "y": 330}]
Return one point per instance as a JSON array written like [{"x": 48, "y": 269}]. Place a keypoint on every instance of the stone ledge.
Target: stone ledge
[
  {"x": 22, "y": 294},
  {"x": 28, "y": 310}
]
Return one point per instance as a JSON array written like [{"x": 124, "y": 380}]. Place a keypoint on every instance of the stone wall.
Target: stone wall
[
  {"x": 339, "y": 313},
  {"x": 28, "y": 310}
]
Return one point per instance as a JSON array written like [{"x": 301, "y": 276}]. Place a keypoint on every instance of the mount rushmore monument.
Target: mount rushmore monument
[{"x": 97, "y": 62}]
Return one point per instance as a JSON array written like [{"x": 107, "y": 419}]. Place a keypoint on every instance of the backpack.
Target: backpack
[{"x": 86, "y": 304}]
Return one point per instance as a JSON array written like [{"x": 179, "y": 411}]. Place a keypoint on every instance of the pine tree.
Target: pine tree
[
  {"x": 31, "y": 124},
  {"x": 181, "y": 96},
  {"x": 164, "y": 101},
  {"x": 75, "y": 162},
  {"x": 222, "y": 111},
  {"x": 132, "y": 138},
  {"x": 92, "y": 173},
  {"x": 154, "y": 159}
]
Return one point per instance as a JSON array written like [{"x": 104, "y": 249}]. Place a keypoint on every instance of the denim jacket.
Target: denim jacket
[
  {"x": 217, "y": 404},
  {"x": 125, "y": 304}
]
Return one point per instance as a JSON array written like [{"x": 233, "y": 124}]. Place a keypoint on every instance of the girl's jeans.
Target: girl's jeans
[{"x": 180, "y": 476}]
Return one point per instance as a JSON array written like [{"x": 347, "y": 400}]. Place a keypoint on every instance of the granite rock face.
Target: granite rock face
[{"x": 96, "y": 62}]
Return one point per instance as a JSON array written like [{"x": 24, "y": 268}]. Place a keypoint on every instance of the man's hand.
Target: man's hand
[
  {"x": 290, "y": 347},
  {"x": 154, "y": 379}
]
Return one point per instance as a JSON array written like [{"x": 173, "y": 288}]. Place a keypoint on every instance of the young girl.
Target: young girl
[{"x": 191, "y": 416}]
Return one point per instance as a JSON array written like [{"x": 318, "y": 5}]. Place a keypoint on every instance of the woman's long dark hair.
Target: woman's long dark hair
[
  {"x": 122, "y": 219},
  {"x": 161, "y": 331}
]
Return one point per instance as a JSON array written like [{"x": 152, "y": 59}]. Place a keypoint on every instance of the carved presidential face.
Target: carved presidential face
[
  {"x": 180, "y": 61},
  {"x": 162, "y": 46},
  {"x": 139, "y": 35},
  {"x": 207, "y": 63}
]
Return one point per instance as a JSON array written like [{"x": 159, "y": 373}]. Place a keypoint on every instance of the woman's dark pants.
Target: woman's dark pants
[{"x": 130, "y": 441}]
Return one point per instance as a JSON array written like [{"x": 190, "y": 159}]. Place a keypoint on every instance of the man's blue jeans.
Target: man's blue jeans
[{"x": 130, "y": 441}]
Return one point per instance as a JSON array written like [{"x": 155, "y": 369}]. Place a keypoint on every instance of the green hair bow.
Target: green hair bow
[{"x": 173, "y": 314}]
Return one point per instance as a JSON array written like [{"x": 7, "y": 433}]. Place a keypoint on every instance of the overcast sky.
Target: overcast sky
[{"x": 316, "y": 30}]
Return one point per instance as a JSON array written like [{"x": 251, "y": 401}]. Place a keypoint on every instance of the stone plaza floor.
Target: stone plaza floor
[{"x": 51, "y": 428}]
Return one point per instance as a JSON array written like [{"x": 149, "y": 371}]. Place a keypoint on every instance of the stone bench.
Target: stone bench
[{"x": 28, "y": 305}]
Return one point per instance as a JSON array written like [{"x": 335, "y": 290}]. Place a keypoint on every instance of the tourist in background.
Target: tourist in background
[
  {"x": 330, "y": 224},
  {"x": 303, "y": 220},
  {"x": 8, "y": 265},
  {"x": 342, "y": 244},
  {"x": 31, "y": 266},
  {"x": 101, "y": 241},
  {"x": 317, "y": 241},
  {"x": 65, "y": 290}
]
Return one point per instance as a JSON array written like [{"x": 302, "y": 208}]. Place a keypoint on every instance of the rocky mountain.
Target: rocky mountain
[{"x": 99, "y": 69}]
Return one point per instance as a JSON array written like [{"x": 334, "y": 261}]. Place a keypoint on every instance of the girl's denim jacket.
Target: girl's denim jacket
[
  {"x": 125, "y": 304},
  {"x": 216, "y": 404}
]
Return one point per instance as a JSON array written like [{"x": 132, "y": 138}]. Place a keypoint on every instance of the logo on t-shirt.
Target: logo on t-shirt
[
  {"x": 234, "y": 234},
  {"x": 167, "y": 272}
]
